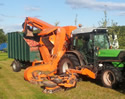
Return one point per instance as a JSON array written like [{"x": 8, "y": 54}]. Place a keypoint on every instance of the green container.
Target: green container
[{"x": 19, "y": 49}]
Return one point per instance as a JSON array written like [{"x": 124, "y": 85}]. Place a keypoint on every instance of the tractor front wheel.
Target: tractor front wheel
[
  {"x": 64, "y": 64},
  {"x": 110, "y": 77}
]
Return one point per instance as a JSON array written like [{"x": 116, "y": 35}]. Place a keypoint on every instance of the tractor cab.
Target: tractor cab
[{"x": 88, "y": 41}]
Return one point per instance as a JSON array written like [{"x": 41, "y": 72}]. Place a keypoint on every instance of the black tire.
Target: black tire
[
  {"x": 16, "y": 66},
  {"x": 74, "y": 60},
  {"x": 65, "y": 63},
  {"x": 111, "y": 77}
]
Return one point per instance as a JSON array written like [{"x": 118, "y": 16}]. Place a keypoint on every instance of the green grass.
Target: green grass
[{"x": 13, "y": 86}]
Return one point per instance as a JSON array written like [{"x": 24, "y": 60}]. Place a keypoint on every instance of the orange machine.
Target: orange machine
[{"x": 53, "y": 44}]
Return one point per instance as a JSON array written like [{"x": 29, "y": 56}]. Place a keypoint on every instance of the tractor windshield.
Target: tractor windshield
[
  {"x": 101, "y": 41},
  {"x": 82, "y": 43}
]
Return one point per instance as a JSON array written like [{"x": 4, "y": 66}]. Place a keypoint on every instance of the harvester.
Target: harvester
[{"x": 54, "y": 69}]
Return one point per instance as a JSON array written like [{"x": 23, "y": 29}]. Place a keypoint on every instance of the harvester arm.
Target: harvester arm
[{"x": 34, "y": 22}]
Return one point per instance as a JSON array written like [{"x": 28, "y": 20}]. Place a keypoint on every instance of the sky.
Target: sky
[{"x": 88, "y": 12}]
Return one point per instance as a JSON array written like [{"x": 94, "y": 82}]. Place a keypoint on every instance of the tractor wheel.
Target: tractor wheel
[
  {"x": 16, "y": 66},
  {"x": 111, "y": 77},
  {"x": 65, "y": 63}
]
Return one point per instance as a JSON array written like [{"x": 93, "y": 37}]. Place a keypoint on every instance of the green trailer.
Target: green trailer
[{"x": 24, "y": 50}]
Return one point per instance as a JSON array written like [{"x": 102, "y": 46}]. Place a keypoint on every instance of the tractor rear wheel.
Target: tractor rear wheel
[
  {"x": 16, "y": 66},
  {"x": 111, "y": 77}
]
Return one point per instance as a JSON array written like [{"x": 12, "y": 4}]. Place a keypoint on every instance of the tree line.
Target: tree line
[
  {"x": 120, "y": 31},
  {"x": 113, "y": 29},
  {"x": 3, "y": 36}
]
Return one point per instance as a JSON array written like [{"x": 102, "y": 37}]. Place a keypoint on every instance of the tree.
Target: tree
[
  {"x": 104, "y": 22},
  {"x": 57, "y": 23},
  {"x": 113, "y": 30},
  {"x": 121, "y": 37},
  {"x": 3, "y": 37},
  {"x": 117, "y": 31}
]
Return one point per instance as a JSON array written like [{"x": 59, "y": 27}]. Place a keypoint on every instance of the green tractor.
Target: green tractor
[
  {"x": 91, "y": 47},
  {"x": 94, "y": 45}
]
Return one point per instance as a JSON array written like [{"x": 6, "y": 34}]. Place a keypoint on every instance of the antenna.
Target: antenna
[{"x": 76, "y": 19}]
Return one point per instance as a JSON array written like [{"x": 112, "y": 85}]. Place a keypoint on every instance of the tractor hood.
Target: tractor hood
[{"x": 111, "y": 54}]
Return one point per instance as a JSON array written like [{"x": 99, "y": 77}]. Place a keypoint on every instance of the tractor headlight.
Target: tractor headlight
[
  {"x": 107, "y": 31},
  {"x": 100, "y": 65},
  {"x": 95, "y": 30}
]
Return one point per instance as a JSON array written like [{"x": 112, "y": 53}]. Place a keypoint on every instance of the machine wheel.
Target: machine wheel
[
  {"x": 65, "y": 63},
  {"x": 74, "y": 60},
  {"x": 16, "y": 66},
  {"x": 110, "y": 77}
]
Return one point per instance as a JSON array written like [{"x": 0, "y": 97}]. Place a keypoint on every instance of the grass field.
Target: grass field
[{"x": 13, "y": 86}]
